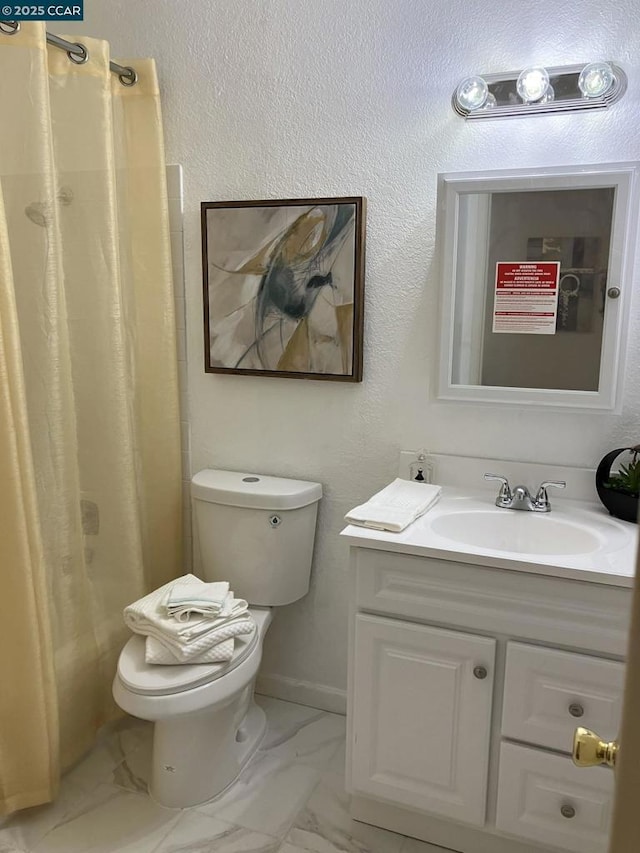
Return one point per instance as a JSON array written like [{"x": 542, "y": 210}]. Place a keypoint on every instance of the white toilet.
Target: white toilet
[{"x": 258, "y": 533}]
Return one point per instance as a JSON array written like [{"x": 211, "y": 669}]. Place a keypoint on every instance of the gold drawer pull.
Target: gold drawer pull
[{"x": 589, "y": 749}]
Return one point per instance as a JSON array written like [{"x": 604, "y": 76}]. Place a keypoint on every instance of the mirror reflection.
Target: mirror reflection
[{"x": 530, "y": 288}]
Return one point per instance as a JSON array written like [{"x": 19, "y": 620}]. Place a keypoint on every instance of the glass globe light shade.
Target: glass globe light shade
[
  {"x": 532, "y": 84},
  {"x": 548, "y": 96},
  {"x": 595, "y": 79},
  {"x": 491, "y": 102},
  {"x": 472, "y": 93}
]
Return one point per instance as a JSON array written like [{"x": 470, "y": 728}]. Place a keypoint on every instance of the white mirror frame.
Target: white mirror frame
[{"x": 624, "y": 178}]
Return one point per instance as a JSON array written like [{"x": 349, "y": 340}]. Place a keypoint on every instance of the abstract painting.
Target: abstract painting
[{"x": 284, "y": 287}]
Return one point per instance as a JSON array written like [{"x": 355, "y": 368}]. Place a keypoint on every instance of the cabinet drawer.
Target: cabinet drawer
[
  {"x": 547, "y": 799},
  {"x": 548, "y": 693}
]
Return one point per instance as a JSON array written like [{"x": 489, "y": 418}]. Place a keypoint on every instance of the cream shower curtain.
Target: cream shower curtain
[{"x": 90, "y": 488}]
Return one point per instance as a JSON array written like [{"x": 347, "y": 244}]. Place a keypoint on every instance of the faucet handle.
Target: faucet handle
[
  {"x": 542, "y": 498},
  {"x": 505, "y": 490}
]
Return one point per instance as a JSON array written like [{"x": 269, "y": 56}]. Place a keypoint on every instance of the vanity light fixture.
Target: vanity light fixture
[{"x": 537, "y": 90}]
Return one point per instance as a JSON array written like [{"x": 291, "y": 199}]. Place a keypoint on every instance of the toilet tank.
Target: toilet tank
[{"x": 256, "y": 532}]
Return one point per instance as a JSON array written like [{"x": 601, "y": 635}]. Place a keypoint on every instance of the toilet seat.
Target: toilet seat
[{"x": 158, "y": 680}]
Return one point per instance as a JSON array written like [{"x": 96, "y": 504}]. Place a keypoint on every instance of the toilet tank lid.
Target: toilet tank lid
[{"x": 256, "y": 491}]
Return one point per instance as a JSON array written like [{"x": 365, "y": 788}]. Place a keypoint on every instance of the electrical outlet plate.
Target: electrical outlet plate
[{"x": 407, "y": 459}]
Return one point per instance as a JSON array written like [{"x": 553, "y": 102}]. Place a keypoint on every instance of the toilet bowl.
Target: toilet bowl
[
  {"x": 258, "y": 533},
  {"x": 207, "y": 724}
]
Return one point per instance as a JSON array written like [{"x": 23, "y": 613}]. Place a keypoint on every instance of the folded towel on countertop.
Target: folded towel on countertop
[
  {"x": 157, "y": 653},
  {"x": 186, "y": 597},
  {"x": 396, "y": 506}
]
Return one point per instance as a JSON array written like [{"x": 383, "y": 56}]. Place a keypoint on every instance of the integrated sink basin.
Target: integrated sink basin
[
  {"x": 517, "y": 532},
  {"x": 577, "y": 539}
]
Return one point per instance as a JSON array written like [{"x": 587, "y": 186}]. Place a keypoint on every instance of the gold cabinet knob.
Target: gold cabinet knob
[{"x": 589, "y": 750}]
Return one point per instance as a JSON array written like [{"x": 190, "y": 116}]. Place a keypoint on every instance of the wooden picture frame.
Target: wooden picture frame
[{"x": 283, "y": 287}]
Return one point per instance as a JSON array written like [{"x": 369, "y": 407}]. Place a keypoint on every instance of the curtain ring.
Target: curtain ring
[
  {"x": 80, "y": 56},
  {"x": 129, "y": 79},
  {"x": 9, "y": 28}
]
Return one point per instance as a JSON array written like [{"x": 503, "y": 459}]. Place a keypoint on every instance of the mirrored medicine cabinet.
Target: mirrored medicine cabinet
[{"x": 536, "y": 270}]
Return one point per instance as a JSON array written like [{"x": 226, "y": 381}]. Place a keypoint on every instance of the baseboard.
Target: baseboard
[
  {"x": 446, "y": 835},
  {"x": 303, "y": 692}
]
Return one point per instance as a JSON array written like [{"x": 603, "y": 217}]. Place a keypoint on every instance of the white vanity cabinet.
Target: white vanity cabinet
[{"x": 466, "y": 683}]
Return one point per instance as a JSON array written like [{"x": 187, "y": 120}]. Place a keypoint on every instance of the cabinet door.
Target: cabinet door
[{"x": 421, "y": 716}]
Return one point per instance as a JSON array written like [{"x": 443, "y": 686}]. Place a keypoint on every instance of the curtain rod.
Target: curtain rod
[{"x": 76, "y": 52}]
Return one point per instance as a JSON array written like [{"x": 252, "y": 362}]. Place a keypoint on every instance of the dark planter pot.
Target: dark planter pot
[{"x": 618, "y": 503}]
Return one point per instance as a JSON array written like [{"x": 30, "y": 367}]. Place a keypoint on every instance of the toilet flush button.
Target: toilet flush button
[{"x": 275, "y": 520}]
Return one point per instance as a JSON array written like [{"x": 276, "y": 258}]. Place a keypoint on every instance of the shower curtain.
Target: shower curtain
[{"x": 90, "y": 480}]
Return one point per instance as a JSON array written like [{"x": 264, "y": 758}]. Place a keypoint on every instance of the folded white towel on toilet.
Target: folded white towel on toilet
[
  {"x": 189, "y": 651},
  {"x": 396, "y": 506},
  {"x": 195, "y": 626},
  {"x": 197, "y": 634},
  {"x": 156, "y": 652},
  {"x": 150, "y": 611},
  {"x": 186, "y": 597}
]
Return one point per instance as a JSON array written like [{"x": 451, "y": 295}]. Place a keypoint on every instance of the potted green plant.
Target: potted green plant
[{"x": 619, "y": 491}]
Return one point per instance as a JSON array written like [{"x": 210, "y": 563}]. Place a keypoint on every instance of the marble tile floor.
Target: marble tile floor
[{"x": 289, "y": 799}]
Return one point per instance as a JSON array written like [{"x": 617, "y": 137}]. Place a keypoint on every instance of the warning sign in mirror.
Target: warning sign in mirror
[{"x": 526, "y": 298}]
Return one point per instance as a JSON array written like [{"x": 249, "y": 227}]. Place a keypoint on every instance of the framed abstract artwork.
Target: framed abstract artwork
[{"x": 284, "y": 287}]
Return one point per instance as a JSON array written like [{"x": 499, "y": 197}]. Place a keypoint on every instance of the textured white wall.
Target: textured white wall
[{"x": 286, "y": 98}]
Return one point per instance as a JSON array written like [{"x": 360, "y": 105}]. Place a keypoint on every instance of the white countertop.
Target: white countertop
[{"x": 612, "y": 562}]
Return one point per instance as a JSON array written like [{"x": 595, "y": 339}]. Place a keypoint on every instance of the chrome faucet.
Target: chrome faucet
[{"x": 520, "y": 497}]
